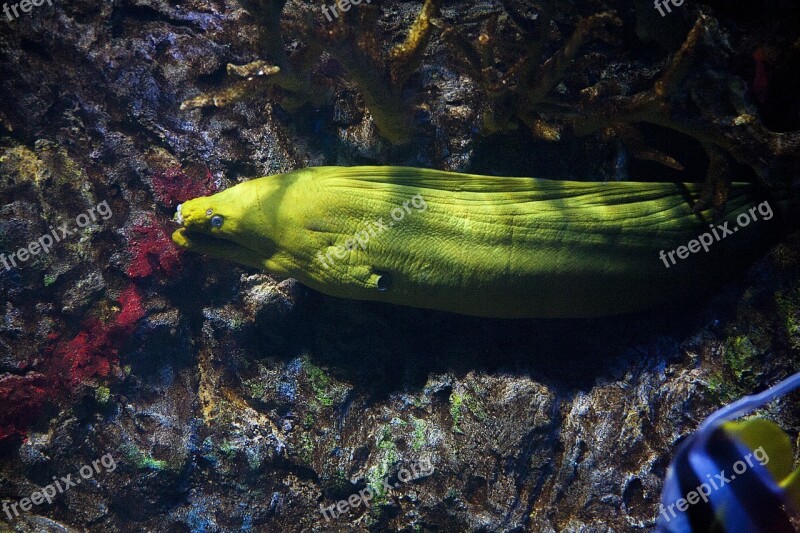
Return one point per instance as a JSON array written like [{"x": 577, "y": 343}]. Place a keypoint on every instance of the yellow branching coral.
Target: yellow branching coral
[
  {"x": 350, "y": 40},
  {"x": 525, "y": 93}
]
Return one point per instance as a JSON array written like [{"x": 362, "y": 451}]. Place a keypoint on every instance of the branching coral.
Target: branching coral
[
  {"x": 524, "y": 93},
  {"x": 350, "y": 40},
  {"x": 733, "y": 132}
]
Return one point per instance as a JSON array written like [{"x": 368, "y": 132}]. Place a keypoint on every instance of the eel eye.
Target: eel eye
[{"x": 216, "y": 221}]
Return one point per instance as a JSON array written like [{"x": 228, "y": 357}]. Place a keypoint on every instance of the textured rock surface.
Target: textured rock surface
[{"x": 235, "y": 402}]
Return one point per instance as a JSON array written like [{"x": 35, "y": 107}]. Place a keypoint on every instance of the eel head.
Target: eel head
[{"x": 231, "y": 225}]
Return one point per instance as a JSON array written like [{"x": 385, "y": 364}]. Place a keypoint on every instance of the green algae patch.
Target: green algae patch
[
  {"x": 102, "y": 394},
  {"x": 475, "y": 406},
  {"x": 327, "y": 392},
  {"x": 738, "y": 377},
  {"x": 320, "y": 384},
  {"x": 456, "y": 400},
  {"x": 420, "y": 436},
  {"x": 305, "y": 449},
  {"x": 228, "y": 449},
  {"x": 144, "y": 461},
  {"x": 388, "y": 456},
  {"x": 256, "y": 388}
]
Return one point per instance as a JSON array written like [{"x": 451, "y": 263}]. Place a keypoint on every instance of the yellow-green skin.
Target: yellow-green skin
[
  {"x": 481, "y": 245},
  {"x": 776, "y": 449}
]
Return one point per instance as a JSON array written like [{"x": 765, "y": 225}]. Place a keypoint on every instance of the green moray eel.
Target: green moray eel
[{"x": 481, "y": 245}]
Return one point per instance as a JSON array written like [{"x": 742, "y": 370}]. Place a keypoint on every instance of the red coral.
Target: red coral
[
  {"x": 22, "y": 398},
  {"x": 152, "y": 250},
  {"x": 90, "y": 355},
  {"x": 93, "y": 352},
  {"x": 173, "y": 186},
  {"x": 131, "y": 312}
]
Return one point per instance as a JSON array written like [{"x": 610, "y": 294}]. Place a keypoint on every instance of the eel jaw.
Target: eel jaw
[{"x": 196, "y": 241}]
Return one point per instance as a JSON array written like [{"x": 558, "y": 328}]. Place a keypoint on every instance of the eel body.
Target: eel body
[{"x": 482, "y": 245}]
